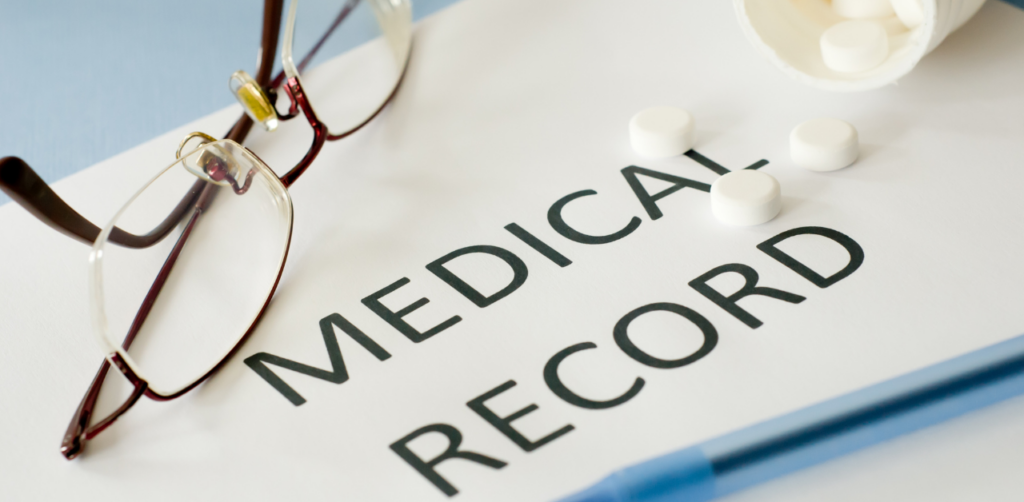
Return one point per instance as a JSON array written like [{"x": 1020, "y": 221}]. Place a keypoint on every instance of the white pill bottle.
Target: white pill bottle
[{"x": 789, "y": 33}]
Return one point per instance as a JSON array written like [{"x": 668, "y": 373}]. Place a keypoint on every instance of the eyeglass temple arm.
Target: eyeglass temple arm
[{"x": 23, "y": 185}]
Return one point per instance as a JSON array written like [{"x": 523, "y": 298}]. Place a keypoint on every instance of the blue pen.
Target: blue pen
[{"x": 805, "y": 437}]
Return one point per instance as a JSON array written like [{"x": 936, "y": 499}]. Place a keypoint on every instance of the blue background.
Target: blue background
[{"x": 85, "y": 80}]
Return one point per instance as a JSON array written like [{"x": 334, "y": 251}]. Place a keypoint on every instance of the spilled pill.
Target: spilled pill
[
  {"x": 854, "y": 46},
  {"x": 824, "y": 144},
  {"x": 745, "y": 198},
  {"x": 662, "y": 131},
  {"x": 862, "y": 9}
]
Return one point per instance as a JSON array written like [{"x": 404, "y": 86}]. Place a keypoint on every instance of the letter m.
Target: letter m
[{"x": 259, "y": 362}]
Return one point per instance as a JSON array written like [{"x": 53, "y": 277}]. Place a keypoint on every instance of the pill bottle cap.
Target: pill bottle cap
[{"x": 788, "y": 33}]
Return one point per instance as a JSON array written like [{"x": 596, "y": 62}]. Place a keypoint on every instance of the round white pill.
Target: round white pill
[
  {"x": 824, "y": 144},
  {"x": 662, "y": 131},
  {"x": 910, "y": 12},
  {"x": 862, "y": 9},
  {"x": 854, "y": 46},
  {"x": 745, "y": 198}
]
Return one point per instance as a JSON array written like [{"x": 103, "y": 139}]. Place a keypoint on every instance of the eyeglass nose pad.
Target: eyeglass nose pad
[
  {"x": 219, "y": 169},
  {"x": 217, "y": 165},
  {"x": 225, "y": 170},
  {"x": 254, "y": 101}
]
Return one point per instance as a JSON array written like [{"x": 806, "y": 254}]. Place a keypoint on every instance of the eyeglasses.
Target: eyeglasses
[
  {"x": 185, "y": 270},
  {"x": 344, "y": 104}
]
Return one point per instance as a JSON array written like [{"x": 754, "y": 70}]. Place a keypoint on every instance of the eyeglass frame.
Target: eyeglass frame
[{"x": 20, "y": 182}]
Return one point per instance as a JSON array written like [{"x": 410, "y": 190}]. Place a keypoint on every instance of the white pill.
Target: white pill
[
  {"x": 910, "y": 12},
  {"x": 824, "y": 144},
  {"x": 854, "y": 46},
  {"x": 745, "y": 198},
  {"x": 662, "y": 131},
  {"x": 862, "y": 9}
]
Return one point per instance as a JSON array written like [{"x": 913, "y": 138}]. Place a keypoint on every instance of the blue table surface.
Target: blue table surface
[
  {"x": 88, "y": 79},
  {"x": 85, "y": 80}
]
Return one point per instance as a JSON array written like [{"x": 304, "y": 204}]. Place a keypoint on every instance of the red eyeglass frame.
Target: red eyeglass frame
[{"x": 25, "y": 187}]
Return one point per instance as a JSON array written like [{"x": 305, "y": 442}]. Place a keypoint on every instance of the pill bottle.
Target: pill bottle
[{"x": 788, "y": 33}]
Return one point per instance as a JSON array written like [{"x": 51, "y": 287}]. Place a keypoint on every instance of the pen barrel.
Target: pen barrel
[
  {"x": 821, "y": 432},
  {"x": 866, "y": 417}
]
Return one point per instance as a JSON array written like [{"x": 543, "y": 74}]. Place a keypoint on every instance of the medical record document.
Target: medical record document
[{"x": 490, "y": 297}]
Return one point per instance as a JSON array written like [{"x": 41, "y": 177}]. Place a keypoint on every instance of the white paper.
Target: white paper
[{"x": 508, "y": 107}]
